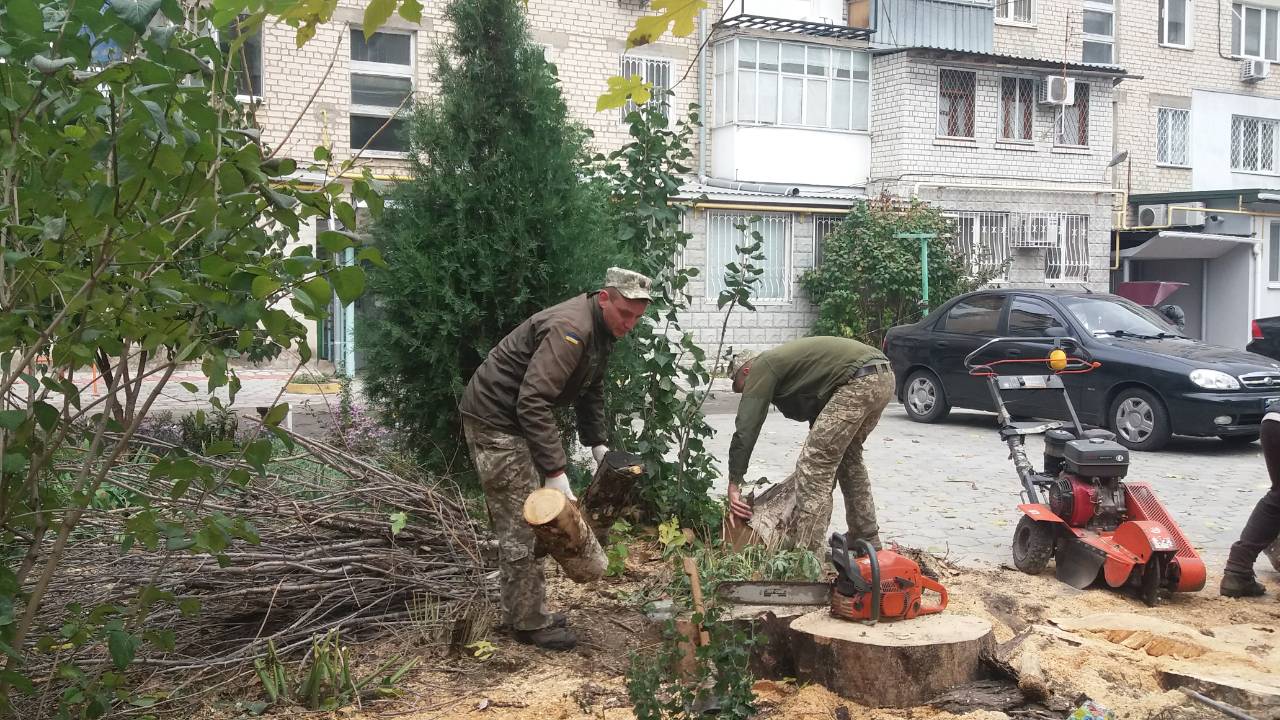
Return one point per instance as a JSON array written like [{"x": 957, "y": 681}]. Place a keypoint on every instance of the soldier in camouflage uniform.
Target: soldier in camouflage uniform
[
  {"x": 840, "y": 387},
  {"x": 554, "y": 359}
]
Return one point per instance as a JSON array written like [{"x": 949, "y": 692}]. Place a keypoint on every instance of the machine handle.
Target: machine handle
[{"x": 931, "y": 584}]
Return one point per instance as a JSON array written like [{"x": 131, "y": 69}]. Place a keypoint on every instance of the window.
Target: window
[
  {"x": 1072, "y": 123},
  {"x": 974, "y": 316},
  {"x": 1175, "y": 22},
  {"x": 983, "y": 240},
  {"x": 777, "y": 83},
  {"x": 1253, "y": 144},
  {"x": 246, "y": 63},
  {"x": 1017, "y": 107},
  {"x": 1099, "y": 32},
  {"x": 1173, "y": 127},
  {"x": 381, "y": 87},
  {"x": 655, "y": 72},
  {"x": 955, "y": 103},
  {"x": 1254, "y": 31},
  {"x": 1068, "y": 260},
  {"x": 1029, "y": 317},
  {"x": 1014, "y": 10},
  {"x": 724, "y": 238},
  {"x": 1273, "y": 252},
  {"x": 823, "y": 225}
]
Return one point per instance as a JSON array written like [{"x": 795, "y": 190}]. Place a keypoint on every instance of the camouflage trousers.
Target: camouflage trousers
[
  {"x": 832, "y": 454},
  {"x": 507, "y": 476}
]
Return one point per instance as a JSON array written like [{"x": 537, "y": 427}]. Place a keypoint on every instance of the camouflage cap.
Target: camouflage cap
[
  {"x": 740, "y": 359},
  {"x": 631, "y": 284}
]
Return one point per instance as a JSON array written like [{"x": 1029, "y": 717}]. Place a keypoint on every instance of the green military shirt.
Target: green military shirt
[{"x": 799, "y": 378}]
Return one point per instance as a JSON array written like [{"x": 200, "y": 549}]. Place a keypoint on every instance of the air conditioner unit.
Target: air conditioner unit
[
  {"x": 1179, "y": 216},
  {"x": 1058, "y": 90},
  {"x": 1252, "y": 71},
  {"x": 1153, "y": 215}
]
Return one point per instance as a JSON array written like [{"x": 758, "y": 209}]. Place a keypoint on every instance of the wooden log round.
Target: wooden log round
[
  {"x": 561, "y": 530},
  {"x": 610, "y": 493},
  {"x": 891, "y": 664}
]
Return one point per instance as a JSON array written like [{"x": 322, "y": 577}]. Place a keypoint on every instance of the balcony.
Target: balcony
[
  {"x": 943, "y": 24},
  {"x": 817, "y": 18}
]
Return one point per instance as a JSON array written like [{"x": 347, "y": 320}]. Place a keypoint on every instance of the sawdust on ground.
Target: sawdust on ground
[{"x": 1095, "y": 642}]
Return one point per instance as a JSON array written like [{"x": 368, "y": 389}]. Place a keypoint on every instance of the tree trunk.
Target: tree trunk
[
  {"x": 891, "y": 664},
  {"x": 562, "y": 531},
  {"x": 770, "y": 512},
  {"x": 610, "y": 493}
]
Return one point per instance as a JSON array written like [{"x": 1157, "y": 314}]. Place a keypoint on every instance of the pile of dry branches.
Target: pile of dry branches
[{"x": 344, "y": 543}]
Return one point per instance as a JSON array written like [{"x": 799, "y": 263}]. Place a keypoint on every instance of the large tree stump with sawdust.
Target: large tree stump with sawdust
[
  {"x": 891, "y": 664},
  {"x": 563, "y": 533},
  {"x": 609, "y": 495}
]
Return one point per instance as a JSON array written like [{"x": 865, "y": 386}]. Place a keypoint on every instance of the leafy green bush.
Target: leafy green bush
[
  {"x": 869, "y": 280},
  {"x": 719, "y": 682}
]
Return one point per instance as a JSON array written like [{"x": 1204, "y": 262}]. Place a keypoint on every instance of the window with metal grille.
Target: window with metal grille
[
  {"x": 1175, "y": 22},
  {"x": 776, "y": 83},
  {"x": 1255, "y": 31},
  {"x": 955, "y": 103},
  {"x": 1253, "y": 144},
  {"x": 246, "y": 62},
  {"x": 1072, "y": 124},
  {"x": 1014, "y": 10},
  {"x": 724, "y": 238},
  {"x": 982, "y": 239},
  {"x": 381, "y": 88},
  {"x": 1099, "y": 32},
  {"x": 1017, "y": 107},
  {"x": 655, "y": 72},
  {"x": 1173, "y": 127},
  {"x": 1068, "y": 260},
  {"x": 823, "y": 225}
]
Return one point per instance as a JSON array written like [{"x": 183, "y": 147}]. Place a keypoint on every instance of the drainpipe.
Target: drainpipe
[
  {"x": 702, "y": 95},
  {"x": 764, "y": 188}
]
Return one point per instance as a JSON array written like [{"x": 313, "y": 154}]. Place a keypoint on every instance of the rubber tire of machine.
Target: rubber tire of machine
[
  {"x": 1162, "y": 429},
  {"x": 941, "y": 407},
  {"x": 1033, "y": 543},
  {"x": 1239, "y": 440},
  {"x": 1152, "y": 578}
]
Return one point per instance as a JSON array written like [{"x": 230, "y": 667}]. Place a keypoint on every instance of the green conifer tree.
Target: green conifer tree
[{"x": 500, "y": 220}]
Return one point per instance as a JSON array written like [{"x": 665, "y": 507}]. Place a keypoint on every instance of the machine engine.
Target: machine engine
[{"x": 1086, "y": 490}]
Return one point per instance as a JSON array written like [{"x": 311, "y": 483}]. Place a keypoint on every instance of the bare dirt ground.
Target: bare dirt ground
[{"x": 1095, "y": 642}]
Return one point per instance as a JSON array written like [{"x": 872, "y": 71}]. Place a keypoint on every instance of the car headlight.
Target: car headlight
[{"x": 1214, "y": 380}]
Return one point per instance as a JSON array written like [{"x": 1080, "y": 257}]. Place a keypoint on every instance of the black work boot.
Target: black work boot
[
  {"x": 549, "y": 638},
  {"x": 1237, "y": 585}
]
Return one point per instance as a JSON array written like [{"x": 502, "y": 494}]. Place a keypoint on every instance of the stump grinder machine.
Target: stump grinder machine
[{"x": 1079, "y": 511}]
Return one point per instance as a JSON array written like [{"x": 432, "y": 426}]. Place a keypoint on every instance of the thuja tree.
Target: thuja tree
[
  {"x": 142, "y": 225},
  {"x": 869, "y": 280},
  {"x": 497, "y": 223},
  {"x": 660, "y": 376}
]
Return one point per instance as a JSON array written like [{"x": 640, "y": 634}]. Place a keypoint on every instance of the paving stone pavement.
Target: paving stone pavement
[{"x": 950, "y": 487}]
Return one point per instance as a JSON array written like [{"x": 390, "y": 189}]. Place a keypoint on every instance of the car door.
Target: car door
[
  {"x": 966, "y": 326},
  {"x": 1032, "y": 317}
]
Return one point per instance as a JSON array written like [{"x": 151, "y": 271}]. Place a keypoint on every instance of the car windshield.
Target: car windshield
[{"x": 1117, "y": 316}]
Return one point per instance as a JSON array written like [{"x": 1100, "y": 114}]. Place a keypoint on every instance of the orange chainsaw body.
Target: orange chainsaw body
[{"x": 902, "y": 587}]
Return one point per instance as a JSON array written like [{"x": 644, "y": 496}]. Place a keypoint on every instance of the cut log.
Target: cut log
[
  {"x": 561, "y": 530},
  {"x": 611, "y": 490},
  {"x": 771, "y": 511},
  {"x": 892, "y": 664},
  {"x": 1258, "y": 694}
]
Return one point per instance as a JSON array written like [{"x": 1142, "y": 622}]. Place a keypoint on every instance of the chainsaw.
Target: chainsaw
[{"x": 869, "y": 586}]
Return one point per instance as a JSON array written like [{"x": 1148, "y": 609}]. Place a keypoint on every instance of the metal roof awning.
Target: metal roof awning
[
  {"x": 1242, "y": 195},
  {"x": 800, "y": 27},
  {"x": 1181, "y": 245},
  {"x": 1021, "y": 61}
]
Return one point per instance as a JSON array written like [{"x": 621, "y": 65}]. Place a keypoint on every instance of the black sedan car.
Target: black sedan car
[
  {"x": 1266, "y": 337},
  {"x": 1152, "y": 382}
]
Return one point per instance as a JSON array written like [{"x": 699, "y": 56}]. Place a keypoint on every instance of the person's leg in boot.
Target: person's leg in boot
[
  {"x": 1263, "y": 526},
  {"x": 507, "y": 476},
  {"x": 815, "y": 474},
  {"x": 874, "y": 392}
]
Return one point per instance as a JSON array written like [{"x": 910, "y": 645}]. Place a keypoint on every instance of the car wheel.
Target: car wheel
[
  {"x": 1139, "y": 420},
  {"x": 1033, "y": 542},
  {"x": 924, "y": 398},
  {"x": 1239, "y": 439}
]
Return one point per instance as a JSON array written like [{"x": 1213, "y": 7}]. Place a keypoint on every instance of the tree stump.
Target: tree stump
[
  {"x": 772, "y": 655},
  {"x": 562, "y": 531},
  {"x": 610, "y": 492},
  {"x": 892, "y": 664}
]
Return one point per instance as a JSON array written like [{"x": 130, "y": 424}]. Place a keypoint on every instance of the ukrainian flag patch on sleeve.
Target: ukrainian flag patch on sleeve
[{"x": 572, "y": 338}]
